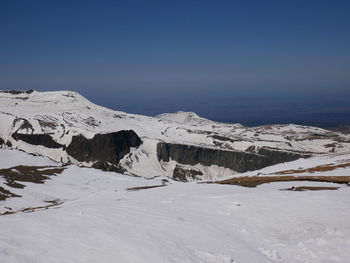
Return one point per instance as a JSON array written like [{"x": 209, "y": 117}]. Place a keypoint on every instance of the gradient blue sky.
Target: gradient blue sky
[{"x": 252, "y": 62}]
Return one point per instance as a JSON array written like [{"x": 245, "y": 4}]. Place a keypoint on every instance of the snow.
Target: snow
[
  {"x": 182, "y": 117},
  {"x": 101, "y": 221},
  {"x": 302, "y": 164},
  {"x": 63, "y": 114},
  {"x": 10, "y": 158}
]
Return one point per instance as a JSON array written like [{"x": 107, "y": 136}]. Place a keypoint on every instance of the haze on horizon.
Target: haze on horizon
[{"x": 253, "y": 62}]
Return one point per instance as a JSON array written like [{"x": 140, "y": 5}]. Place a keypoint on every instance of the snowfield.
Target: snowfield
[
  {"x": 60, "y": 116},
  {"x": 87, "y": 215},
  {"x": 54, "y": 207}
]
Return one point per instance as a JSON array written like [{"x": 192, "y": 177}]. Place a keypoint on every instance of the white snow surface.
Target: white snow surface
[
  {"x": 303, "y": 164},
  {"x": 63, "y": 114},
  {"x": 10, "y": 158},
  {"x": 99, "y": 220}
]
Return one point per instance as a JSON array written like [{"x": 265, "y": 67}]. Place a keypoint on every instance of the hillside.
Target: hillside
[
  {"x": 76, "y": 214},
  {"x": 67, "y": 128},
  {"x": 82, "y": 183}
]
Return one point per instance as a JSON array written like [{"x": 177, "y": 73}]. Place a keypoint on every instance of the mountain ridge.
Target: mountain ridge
[{"x": 45, "y": 123}]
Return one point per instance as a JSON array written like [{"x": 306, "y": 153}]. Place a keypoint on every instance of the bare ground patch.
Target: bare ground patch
[
  {"x": 320, "y": 168},
  {"x": 4, "y": 194},
  {"x": 253, "y": 181},
  {"x": 145, "y": 187},
  {"x": 311, "y": 188},
  {"x": 52, "y": 203},
  {"x": 32, "y": 174}
]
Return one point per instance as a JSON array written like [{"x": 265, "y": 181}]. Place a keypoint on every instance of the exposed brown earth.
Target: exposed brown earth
[
  {"x": 32, "y": 209},
  {"x": 311, "y": 188},
  {"x": 182, "y": 174},
  {"x": 320, "y": 168},
  {"x": 253, "y": 181},
  {"x": 4, "y": 194},
  {"x": 144, "y": 187},
  {"x": 32, "y": 174}
]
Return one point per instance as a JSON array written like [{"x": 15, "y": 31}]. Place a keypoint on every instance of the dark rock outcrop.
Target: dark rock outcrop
[
  {"x": 182, "y": 174},
  {"x": 17, "y": 92},
  {"x": 4, "y": 194},
  {"x": 26, "y": 125},
  {"x": 235, "y": 160},
  {"x": 8, "y": 143},
  {"x": 37, "y": 139},
  {"x": 279, "y": 156},
  {"x": 106, "y": 166},
  {"x": 222, "y": 138},
  {"x": 34, "y": 174},
  {"x": 109, "y": 147}
]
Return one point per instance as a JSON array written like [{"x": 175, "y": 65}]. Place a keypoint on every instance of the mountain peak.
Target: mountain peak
[{"x": 183, "y": 117}]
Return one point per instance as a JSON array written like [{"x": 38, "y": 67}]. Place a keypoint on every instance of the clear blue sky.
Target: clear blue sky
[{"x": 240, "y": 61}]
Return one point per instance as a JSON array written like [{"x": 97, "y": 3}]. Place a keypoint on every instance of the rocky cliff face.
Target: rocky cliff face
[
  {"x": 109, "y": 147},
  {"x": 238, "y": 161},
  {"x": 103, "y": 150},
  {"x": 37, "y": 139},
  {"x": 66, "y": 127}
]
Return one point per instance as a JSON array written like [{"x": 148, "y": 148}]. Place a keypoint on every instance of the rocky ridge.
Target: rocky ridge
[{"x": 68, "y": 128}]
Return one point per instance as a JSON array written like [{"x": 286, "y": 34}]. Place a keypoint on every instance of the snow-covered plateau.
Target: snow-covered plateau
[
  {"x": 82, "y": 183},
  {"x": 67, "y": 128}
]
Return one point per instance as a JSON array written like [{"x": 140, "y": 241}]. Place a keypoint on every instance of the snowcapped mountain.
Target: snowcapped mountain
[
  {"x": 274, "y": 193},
  {"x": 55, "y": 213},
  {"x": 68, "y": 128}
]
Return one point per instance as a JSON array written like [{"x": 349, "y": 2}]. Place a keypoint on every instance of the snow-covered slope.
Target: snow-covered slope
[
  {"x": 63, "y": 126},
  {"x": 87, "y": 215},
  {"x": 186, "y": 118}
]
